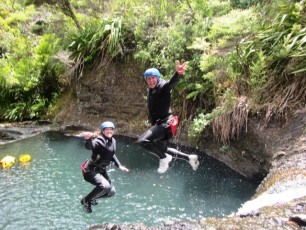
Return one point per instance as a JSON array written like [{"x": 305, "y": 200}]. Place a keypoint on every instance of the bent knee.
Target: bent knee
[
  {"x": 107, "y": 187},
  {"x": 140, "y": 140},
  {"x": 112, "y": 192},
  {"x": 143, "y": 142}
]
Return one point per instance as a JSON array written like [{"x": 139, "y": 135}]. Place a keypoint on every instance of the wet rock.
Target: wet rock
[
  {"x": 250, "y": 215},
  {"x": 4, "y": 136},
  {"x": 279, "y": 220},
  {"x": 105, "y": 227},
  {"x": 14, "y": 131},
  {"x": 288, "y": 212},
  {"x": 299, "y": 219},
  {"x": 300, "y": 207},
  {"x": 168, "y": 222}
]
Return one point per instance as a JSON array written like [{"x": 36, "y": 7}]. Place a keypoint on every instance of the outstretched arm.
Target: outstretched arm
[{"x": 119, "y": 165}]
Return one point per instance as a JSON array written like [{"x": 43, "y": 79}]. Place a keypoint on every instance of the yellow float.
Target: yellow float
[
  {"x": 24, "y": 158},
  {"x": 7, "y": 162}
]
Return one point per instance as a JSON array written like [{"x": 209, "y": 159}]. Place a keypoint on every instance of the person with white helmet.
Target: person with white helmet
[
  {"x": 103, "y": 147},
  {"x": 163, "y": 123}
]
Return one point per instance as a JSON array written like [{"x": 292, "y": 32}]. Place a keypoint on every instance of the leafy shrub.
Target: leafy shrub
[
  {"x": 220, "y": 76},
  {"x": 39, "y": 27},
  {"x": 264, "y": 74},
  {"x": 235, "y": 24},
  {"x": 243, "y": 4},
  {"x": 98, "y": 40},
  {"x": 276, "y": 58},
  {"x": 29, "y": 81},
  {"x": 219, "y": 8}
]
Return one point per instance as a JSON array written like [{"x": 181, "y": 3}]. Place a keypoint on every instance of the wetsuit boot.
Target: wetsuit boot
[
  {"x": 86, "y": 205},
  {"x": 90, "y": 199},
  {"x": 191, "y": 159},
  {"x": 164, "y": 164}
]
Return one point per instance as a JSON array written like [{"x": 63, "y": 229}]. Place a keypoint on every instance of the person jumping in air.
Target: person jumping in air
[
  {"x": 103, "y": 147},
  {"x": 160, "y": 117}
]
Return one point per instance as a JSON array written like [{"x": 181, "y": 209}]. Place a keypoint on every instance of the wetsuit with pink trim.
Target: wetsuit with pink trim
[{"x": 103, "y": 153}]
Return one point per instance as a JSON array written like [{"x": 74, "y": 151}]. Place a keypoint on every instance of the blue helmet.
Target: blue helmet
[
  {"x": 152, "y": 72},
  {"x": 107, "y": 124}
]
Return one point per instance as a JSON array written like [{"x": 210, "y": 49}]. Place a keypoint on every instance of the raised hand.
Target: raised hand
[{"x": 180, "y": 68}]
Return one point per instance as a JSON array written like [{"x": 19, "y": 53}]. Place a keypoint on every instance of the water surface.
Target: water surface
[{"x": 46, "y": 193}]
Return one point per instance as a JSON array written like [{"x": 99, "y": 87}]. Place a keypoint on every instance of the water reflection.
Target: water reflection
[{"x": 47, "y": 192}]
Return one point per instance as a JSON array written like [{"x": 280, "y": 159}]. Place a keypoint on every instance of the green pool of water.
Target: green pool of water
[{"x": 46, "y": 193}]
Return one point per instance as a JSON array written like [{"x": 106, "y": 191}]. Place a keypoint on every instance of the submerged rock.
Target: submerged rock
[{"x": 14, "y": 131}]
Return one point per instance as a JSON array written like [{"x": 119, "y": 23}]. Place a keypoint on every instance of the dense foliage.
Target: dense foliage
[
  {"x": 29, "y": 75},
  {"x": 245, "y": 57},
  {"x": 264, "y": 75}
]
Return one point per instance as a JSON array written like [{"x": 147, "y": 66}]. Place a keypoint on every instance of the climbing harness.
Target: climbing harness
[
  {"x": 173, "y": 124},
  {"x": 84, "y": 166}
]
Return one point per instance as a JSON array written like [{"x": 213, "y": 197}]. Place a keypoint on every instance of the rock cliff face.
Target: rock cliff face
[{"x": 115, "y": 93}]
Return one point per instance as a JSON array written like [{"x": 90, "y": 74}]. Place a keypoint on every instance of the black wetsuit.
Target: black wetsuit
[
  {"x": 103, "y": 153},
  {"x": 160, "y": 115},
  {"x": 159, "y": 100}
]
